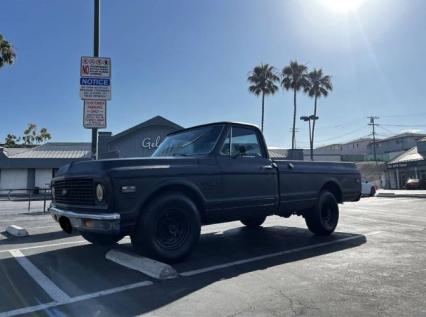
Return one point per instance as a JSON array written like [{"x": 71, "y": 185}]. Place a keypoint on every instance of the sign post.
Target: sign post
[{"x": 95, "y": 85}]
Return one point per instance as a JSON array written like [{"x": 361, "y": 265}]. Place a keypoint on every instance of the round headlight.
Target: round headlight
[{"x": 99, "y": 193}]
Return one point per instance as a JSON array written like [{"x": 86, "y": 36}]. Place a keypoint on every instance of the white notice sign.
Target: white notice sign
[
  {"x": 94, "y": 114},
  {"x": 95, "y": 67}
]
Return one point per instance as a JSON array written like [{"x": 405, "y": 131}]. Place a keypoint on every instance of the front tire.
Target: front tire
[
  {"x": 254, "y": 222},
  {"x": 323, "y": 218},
  {"x": 169, "y": 229},
  {"x": 101, "y": 239}
]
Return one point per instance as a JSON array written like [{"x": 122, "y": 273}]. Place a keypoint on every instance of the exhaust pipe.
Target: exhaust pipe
[{"x": 65, "y": 224}]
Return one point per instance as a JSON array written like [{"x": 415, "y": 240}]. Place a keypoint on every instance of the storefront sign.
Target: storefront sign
[
  {"x": 151, "y": 143},
  {"x": 94, "y": 114}
]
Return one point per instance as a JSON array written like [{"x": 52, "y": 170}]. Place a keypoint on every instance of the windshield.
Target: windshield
[{"x": 191, "y": 142}]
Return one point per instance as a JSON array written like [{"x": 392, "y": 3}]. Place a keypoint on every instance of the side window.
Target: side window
[{"x": 242, "y": 141}]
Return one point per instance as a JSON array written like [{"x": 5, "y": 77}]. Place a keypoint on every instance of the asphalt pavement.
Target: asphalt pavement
[{"x": 373, "y": 265}]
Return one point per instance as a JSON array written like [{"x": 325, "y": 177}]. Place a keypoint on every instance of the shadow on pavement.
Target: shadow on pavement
[
  {"x": 83, "y": 269},
  {"x": 34, "y": 238}
]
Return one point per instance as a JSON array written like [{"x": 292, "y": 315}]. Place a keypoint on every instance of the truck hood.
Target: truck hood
[{"x": 145, "y": 164}]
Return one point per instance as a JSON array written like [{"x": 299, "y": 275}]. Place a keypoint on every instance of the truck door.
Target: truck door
[{"x": 249, "y": 179}]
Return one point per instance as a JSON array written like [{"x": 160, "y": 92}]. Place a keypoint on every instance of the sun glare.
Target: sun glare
[{"x": 343, "y": 5}]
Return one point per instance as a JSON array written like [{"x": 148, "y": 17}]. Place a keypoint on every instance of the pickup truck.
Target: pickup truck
[{"x": 206, "y": 174}]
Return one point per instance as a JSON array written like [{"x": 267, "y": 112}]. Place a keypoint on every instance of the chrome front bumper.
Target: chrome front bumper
[{"x": 96, "y": 222}]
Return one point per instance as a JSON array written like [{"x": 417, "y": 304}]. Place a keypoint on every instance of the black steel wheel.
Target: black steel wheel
[
  {"x": 323, "y": 218},
  {"x": 169, "y": 228}
]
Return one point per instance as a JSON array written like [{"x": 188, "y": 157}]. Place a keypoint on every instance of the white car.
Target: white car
[{"x": 368, "y": 188}]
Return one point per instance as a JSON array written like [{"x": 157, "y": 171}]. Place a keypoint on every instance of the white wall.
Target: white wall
[
  {"x": 13, "y": 178},
  {"x": 43, "y": 177}
]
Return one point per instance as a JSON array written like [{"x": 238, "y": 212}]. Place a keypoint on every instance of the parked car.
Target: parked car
[
  {"x": 415, "y": 183},
  {"x": 202, "y": 175},
  {"x": 368, "y": 188}
]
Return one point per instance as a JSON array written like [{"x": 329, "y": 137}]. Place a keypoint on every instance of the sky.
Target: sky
[{"x": 188, "y": 61}]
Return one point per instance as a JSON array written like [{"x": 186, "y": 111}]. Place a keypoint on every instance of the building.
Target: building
[
  {"x": 355, "y": 150},
  {"x": 391, "y": 147},
  {"x": 409, "y": 164},
  {"x": 22, "y": 168}
]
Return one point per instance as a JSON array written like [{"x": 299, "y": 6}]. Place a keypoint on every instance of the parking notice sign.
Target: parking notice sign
[
  {"x": 94, "y": 115},
  {"x": 95, "y": 80},
  {"x": 95, "y": 67}
]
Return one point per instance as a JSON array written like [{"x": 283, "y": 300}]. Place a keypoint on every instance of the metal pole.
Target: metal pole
[{"x": 96, "y": 28}]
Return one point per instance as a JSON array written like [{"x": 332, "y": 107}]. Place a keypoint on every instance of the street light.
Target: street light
[{"x": 309, "y": 119}]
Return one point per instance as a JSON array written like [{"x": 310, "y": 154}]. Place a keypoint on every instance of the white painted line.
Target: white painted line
[
  {"x": 32, "y": 309},
  {"x": 271, "y": 255},
  {"x": 47, "y": 245},
  {"x": 46, "y": 284},
  {"x": 43, "y": 227},
  {"x": 386, "y": 213},
  {"x": 109, "y": 291},
  {"x": 387, "y": 221},
  {"x": 28, "y": 310},
  {"x": 150, "y": 267}
]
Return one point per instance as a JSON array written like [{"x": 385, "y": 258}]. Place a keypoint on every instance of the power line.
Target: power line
[{"x": 342, "y": 135}]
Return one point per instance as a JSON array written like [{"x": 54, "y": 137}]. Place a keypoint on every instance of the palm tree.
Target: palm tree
[
  {"x": 294, "y": 77},
  {"x": 262, "y": 79},
  {"x": 319, "y": 85},
  {"x": 7, "y": 55}
]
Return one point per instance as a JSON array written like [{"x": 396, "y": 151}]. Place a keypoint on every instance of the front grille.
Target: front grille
[{"x": 74, "y": 191}]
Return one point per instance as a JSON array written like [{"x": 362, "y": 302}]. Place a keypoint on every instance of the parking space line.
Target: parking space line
[
  {"x": 386, "y": 213},
  {"x": 46, "y": 245},
  {"x": 387, "y": 221},
  {"x": 271, "y": 255},
  {"x": 71, "y": 300},
  {"x": 46, "y": 284}
]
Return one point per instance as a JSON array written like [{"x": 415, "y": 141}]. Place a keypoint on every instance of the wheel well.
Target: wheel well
[
  {"x": 333, "y": 188},
  {"x": 186, "y": 190}
]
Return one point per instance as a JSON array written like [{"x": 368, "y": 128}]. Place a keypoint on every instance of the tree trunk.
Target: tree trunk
[
  {"x": 263, "y": 109},
  {"x": 293, "y": 138},
  {"x": 313, "y": 129}
]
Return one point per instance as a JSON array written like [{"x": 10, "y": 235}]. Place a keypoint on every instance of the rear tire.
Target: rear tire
[
  {"x": 169, "y": 229},
  {"x": 254, "y": 222},
  {"x": 372, "y": 192},
  {"x": 101, "y": 239},
  {"x": 323, "y": 218}
]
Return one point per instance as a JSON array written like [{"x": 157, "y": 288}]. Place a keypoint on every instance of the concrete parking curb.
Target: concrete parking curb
[
  {"x": 147, "y": 266},
  {"x": 16, "y": 231},
  {"x": 393, "y": 195}
]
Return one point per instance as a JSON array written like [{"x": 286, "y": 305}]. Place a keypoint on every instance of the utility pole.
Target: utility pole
[
  {"x": 96, "y": 27},
  {"x": 373, "y": 124}
]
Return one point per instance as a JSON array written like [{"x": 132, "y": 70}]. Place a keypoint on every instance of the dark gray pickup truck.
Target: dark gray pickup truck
[{"x": 206, "y": 174}]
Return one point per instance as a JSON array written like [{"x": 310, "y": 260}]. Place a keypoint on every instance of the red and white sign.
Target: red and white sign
[
  {"x": 94, "y": 114},
  {"x": 95, "y": 67}
]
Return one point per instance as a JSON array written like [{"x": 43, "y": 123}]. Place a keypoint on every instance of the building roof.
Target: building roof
[
  {"x": 157, "y": 120},
  {"x": 409, "y": 156},
  {"x": 51, "y": 150},
  {"x": 402, "y": 135}
]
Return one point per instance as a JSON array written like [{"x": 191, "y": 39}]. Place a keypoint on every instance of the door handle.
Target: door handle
[
  {"x": 267, "y": 167},
  {"x": 290, "y": 166}
]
